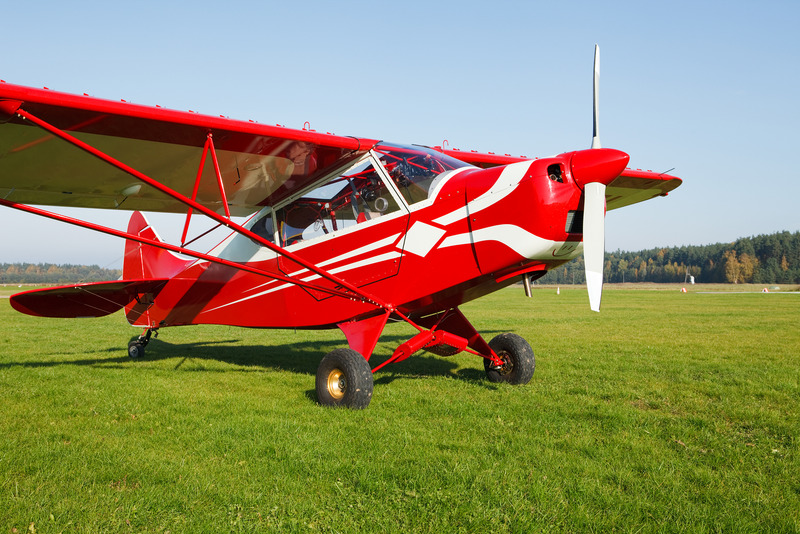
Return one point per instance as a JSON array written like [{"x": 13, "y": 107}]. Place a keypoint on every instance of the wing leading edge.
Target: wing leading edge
[
  {"x": 635, "y": 185},
  {"x": 259, "y": 164}
]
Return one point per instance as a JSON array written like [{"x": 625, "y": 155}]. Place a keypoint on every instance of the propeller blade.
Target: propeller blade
[
  {"x": 596, "y": 93},
  {"x": 594, "y": 220},
  {"x": 594, "y": 201}
]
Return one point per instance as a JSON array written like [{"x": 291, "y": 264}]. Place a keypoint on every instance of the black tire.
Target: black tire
[
  {"x": 519, "y": 362},
  {"x": 344, "y": 378},
  {"x": 135, "y": 349},
  {"x": 443, "y": 350}
]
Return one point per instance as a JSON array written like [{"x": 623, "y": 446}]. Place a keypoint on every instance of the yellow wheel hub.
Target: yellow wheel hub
[{"x": 337, "y": 384}]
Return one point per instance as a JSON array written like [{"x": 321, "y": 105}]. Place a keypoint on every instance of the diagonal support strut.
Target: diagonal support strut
[{"x": 171, "y": 248}]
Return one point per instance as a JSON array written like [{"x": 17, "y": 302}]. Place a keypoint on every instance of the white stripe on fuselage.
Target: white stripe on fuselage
[
  {"x": 506, "y": 183},
  {"x": 346, "y": 256},
  {"x": 344, "y": 268},
  {"x": 519, "y": 240}
]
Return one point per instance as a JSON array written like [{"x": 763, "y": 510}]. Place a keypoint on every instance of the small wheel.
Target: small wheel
[
  {"x": 344, "y": 378},
  {"x": 443, "y": 350},
  {"x": 518, "y": 360},
  {"x": 135, "y": 349}
]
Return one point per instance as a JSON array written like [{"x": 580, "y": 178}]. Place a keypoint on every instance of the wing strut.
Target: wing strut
[
  {"x": 354, "y": 291},
  {"x": 208, "y": 147}
]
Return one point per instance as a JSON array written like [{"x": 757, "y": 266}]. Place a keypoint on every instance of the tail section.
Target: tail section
[
  {"x": 145, "y": 261},
  {"x": 145, "y": 271}
]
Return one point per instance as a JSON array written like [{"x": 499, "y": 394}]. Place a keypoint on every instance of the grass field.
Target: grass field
[{"x": 666, "y": 412}]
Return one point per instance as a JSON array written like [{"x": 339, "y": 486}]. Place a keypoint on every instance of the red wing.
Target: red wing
[
  {"x": 634, "y": 186},
  {"x": 259, "y": 164},
  {"x": 84, "y": 300}
]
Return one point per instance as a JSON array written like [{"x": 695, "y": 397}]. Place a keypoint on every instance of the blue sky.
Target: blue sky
[{"x": 707, "y": 88}]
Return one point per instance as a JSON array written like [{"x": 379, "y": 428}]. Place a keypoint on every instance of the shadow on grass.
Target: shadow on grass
[{"x": 300, "y": 357}]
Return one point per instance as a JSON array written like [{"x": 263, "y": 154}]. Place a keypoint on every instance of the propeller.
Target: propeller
[
  {"x": 594, "y": 169},
  {"x": 594, "y": 208}
]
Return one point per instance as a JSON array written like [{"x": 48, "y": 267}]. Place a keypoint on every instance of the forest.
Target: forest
[
  {"x": 763, "y": 259},
  {"x": 48, "y": 273}
]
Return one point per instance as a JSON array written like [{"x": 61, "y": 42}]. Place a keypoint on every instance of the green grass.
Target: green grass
[{"x": 666, "y": 412}]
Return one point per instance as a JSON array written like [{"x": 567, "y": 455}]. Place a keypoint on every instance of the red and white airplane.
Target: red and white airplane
[{"x": 342, "y": 231}]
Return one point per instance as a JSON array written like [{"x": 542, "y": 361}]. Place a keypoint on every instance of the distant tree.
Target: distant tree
[
  {"x": 733, "y": 268},
  {"x": 748, "y": 266},
  {"x": 771, "y": 270},
  {"x": 622, "y": 267}
]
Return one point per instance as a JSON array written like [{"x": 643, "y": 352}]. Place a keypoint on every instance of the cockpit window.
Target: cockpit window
[
  {"x": 414, "y": 169},
  {"x": 354, "y": 197}
]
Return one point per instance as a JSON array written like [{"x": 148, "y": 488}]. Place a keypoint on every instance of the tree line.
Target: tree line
[
  {"x": 763, "y": 259},
  {"x": 50, "y": 273}
]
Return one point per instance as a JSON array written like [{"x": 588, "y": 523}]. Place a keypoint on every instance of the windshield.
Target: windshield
[
  {"x": 415, "y": 169},
  {"x": 358, "y": 195}
]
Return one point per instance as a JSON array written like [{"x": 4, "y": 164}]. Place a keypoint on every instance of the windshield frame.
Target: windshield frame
[{"x": 414, "y": 169}]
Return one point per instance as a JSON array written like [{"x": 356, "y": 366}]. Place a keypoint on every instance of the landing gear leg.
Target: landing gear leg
[{"x": 136, "y": 347}]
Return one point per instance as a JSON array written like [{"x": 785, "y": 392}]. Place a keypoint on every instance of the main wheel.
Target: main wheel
[
  {"x": 344, "y": 378},
  {"x": 518, "y": 360},
  {"x": 135, "y": 349}
]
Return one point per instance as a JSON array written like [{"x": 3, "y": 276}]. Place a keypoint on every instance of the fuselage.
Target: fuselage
[{"x": 423, "y": 241}]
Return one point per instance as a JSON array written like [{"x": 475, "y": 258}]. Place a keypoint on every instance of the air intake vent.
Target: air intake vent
[
  {"x": 574, "y": 222},
  {"x": 555, "y": 173}
]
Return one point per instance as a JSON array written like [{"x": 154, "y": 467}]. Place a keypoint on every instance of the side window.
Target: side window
[
  {"x": 264, "y": 227},
  {"x": 357, "y": 196}
]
